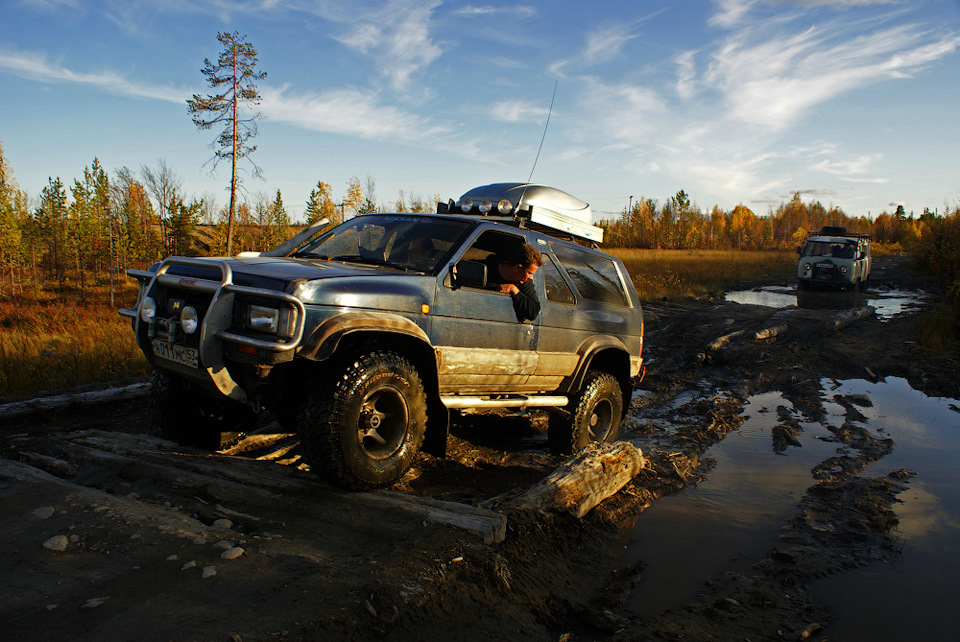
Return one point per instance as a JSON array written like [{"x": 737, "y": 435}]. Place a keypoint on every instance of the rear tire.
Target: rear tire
[
  {"x": 593, "y": 415},
  {"x": 187, "y": 415},
  {"x": 363, "y": 428}
]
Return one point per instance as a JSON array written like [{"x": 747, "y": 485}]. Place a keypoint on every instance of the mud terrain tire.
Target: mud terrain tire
[
  {"x": 184, "y": 414},
  {"x": 365, "y": 427},
  {"x": 593, "y": 415}
]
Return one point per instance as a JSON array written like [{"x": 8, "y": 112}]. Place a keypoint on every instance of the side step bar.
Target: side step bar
[{"x": 534, "y": 401}]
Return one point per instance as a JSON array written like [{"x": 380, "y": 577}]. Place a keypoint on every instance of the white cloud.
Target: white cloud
[
  {"x": 730, "y": 12},
  {"x": 776, "y": 81},
  {"x": 398, "y": 38},
  {"x": 605, "y": 43},
  {"x": 517, "y": 111},
  {"x": 349, "y": 112},
  {"x": 686, "y": 74},
  {"x": 487, "y": 10},
  {"x": 35, "y": 67}
]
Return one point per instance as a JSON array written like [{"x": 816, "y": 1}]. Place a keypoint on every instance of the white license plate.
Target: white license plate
[{"x": 184, "y": 355}]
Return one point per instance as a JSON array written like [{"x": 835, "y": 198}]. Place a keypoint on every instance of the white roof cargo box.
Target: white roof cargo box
[{"x": 541, "y": 205}]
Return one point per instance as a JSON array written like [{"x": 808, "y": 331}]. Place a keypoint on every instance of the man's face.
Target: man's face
[{"x": 520, "y": 273}]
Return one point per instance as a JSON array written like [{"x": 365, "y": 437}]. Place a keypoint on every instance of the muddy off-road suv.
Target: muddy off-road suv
[
  {"x": 834, "y": 258},
  {"x": 364, "y": 338}
]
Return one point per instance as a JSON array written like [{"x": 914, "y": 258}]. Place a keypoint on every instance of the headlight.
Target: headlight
[
  {"x": 263, "y": 319},
  {"x": 148, "y": 309},
  {"x": 843, "y": 269},
  {"x": 466, "y": 205},
  {"x": 189, "y": 320}
]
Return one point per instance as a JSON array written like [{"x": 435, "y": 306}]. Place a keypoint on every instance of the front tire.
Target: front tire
[
  {"x": 594, "y": 415},
  {"x": 364, "y": 429}
]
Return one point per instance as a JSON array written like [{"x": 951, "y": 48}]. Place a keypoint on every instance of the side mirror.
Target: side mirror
[{"x": 471, "y": 274}]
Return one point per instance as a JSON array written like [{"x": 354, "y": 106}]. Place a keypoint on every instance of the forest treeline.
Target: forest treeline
[{"x": 93, "y": 230}]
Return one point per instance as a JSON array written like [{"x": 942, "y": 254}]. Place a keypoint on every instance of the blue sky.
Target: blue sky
[{"x": 854, "y": 103}]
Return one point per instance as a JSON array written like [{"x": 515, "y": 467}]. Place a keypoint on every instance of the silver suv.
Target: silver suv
[
  {"x": 834, "y": 258},
  {"x": 364, "y": 338}
]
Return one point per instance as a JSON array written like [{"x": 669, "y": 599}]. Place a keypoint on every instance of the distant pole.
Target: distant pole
[{"x": 630, "y": 207}]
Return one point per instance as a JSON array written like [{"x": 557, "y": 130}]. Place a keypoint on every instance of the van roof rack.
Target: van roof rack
[{"x": 838, "y": 231}]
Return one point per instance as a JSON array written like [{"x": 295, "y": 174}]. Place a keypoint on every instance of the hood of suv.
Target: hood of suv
[{"x": 281, "y": 273}]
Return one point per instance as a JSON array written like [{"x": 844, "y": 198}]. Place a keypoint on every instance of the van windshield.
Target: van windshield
[{"x": 835, "y": 249}]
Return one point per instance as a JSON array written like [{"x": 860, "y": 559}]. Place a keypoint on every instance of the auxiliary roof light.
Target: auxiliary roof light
[
  {"x": 466, "y": 205},
  {"x": 505, "y": 206},
  {"x": 485, "y": 206}
]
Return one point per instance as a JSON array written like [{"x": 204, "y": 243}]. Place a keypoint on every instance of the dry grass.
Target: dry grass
[
  {"x": 60, "y": 341},
  {"x": 677, "y": 273}
]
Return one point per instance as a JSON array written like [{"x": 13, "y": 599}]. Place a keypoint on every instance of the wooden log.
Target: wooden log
[
  {"x": 56, "y": 402},
  {"x": 847, "y": 317},
  {"x": 586, "y": 479},
  {"x": 772, "y": 331},
  {"x": 491, "y": 526}
]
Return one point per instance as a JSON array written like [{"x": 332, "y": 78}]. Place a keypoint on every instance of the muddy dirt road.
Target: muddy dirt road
[{"x": 109, "y": 532}]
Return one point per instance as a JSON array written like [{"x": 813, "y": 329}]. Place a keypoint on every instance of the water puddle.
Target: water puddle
[
  {"x": 887, "y": 303},
  {"x": 734, "y": 517},
  {"x": 915, "y": 596},
  {"x": 728, "y": 521}
]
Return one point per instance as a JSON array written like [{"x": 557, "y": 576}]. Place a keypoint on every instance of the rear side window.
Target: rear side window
[
  {"x": 595, "y": 277},
  {"x": 557, "y": 289}
]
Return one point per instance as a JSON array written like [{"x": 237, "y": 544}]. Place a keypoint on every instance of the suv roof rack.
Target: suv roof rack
[
  {"x": 547, "y": 208},
  {"x": 839, "y": 231}
]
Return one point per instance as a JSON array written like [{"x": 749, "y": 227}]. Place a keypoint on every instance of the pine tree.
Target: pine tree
[{"x": 233, "y": 75}]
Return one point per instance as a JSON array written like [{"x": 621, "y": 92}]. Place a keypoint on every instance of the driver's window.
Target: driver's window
[{"x": 488, "y": 245}]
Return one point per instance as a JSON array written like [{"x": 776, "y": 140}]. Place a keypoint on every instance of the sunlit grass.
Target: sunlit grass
[
  {"x": 59, "y": 341},
  {"x": 678, "y": 273}
]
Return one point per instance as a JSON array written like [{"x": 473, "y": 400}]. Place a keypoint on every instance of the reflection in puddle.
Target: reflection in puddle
[
  {"x": 916, "y": 591},
  {"x": 734, "y": 517},
  {"x": 887, "y": 303},
  {"x": 729, "y": 520}
]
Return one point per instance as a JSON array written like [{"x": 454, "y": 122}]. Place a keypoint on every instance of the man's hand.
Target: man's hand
[{"x": 509, "y": 288}]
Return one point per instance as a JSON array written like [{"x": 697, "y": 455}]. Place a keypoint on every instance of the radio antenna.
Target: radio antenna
[{"x": 545, "y": 125}]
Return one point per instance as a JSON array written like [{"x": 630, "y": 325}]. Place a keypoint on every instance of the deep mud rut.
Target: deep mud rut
[{"x": 109, "y": 532}]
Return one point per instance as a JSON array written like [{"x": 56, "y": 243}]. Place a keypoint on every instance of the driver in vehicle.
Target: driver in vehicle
[{"x": 511, "y": 272}]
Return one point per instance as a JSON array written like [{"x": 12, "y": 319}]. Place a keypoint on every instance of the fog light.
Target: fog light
[
  {"x": 466, "y": 205},
  {"x": 505, "y": 206},
  {"x": 189, "y": 320},
  {"x": 485, "y": 206},
  {"x": 148, "y": 309}
]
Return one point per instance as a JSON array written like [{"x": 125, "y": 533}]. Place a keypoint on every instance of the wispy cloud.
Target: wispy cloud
[
  {"x": 35, "y": 67},
  {"x": 50, "y": 5},
  {"x": 517, "y": 111},
  {"x": 774, "y": 82},
  {"x": 350, "y": 112},
  {"x": 488, "y": 10},
  {"x": 730, "y": 13},
  {"x": 398, "y": 38},
  {"x": 606, "y": 43}
]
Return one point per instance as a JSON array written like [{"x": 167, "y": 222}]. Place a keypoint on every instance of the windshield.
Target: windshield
[
  {"x": 399, "y": 241},
  {"x": 833, "y": 249}
]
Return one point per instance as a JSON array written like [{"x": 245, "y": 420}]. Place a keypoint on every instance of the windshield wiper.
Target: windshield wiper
[{"x": 357, "y": 258}]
